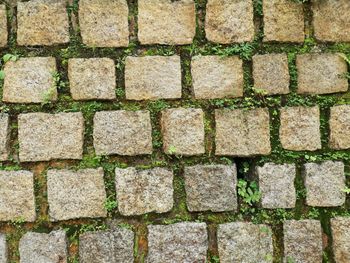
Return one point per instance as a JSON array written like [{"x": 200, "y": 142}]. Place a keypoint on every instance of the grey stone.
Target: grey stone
[
  {"x": 339, "y": 124},
  {"x": 144, "y": 191},
  {"x": 4, "y": 136},
  {"x": 217, "y": 77},
  {"x": 44, "y": 136},
  {"x": 3, "y": 249},
  {"x": 181, "y": 242},
  {"x": 3, "y": 26},
  {"x": 166, "y": 22},
  {"x": 324, "y": 184},
  {"x": 76, "y": 194},
  {"x": 341, "y": 239},
  {"x": 245, "y": 242},
  {"x": 242, "y": 132},
  {"x": 211, "y": 187},
  {"x": 30, "y": 80},
  {"x": 302, "y": 241},
  {"x": 300, "y": 128},
  {"x": 122, "y": 132},
  {"x": 152, "y": 77},
  {"x": 115, "y": 246}
]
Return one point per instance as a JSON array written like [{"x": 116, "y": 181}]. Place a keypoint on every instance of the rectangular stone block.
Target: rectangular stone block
[
  {"x": 339, "y": 125},
  {"x": 44, "y": 136},
  {"x": 3, "y": 26},
  {"x": 4, "y": 136},
  {"x": 3, "y": 249},
  {"x": 341, "y": 239}
]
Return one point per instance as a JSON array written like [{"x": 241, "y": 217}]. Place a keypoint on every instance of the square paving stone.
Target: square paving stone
[
  {"x": 181, "y": 242},
  {"x": 17, "y": 200},
  {"x": 217, "y": 77},
  {"x": 30, "y": 80},
  {"x": 3, "y": 26},
  {"x": 242, "y": 132},
  {"x": 339, "y": 124},
  {"x": 144, "y": 191},
  {"x": 271, "y": 73},
  {"x": 166, "y": 22},
  {"x": 122, "y": 132},
  {"x": 245, "y": 242},
  {"x": 92, "y": 79},
  {"x": 76, "y": 194},
  {"x": 42, "y": 22},
  {"x": 44, "y": 248},
  {"x": 3, "y": 249},
  {"x": 104, "y": 23},
  {"x": 283, "y": 21},
  {"x": 321, "y": 73},
  {"x": 115, "y": 246},
  {"x": 341, "y": 239},
  {"x": 302, "y": 241},
  {"x": 183, "y": 131},
  {"x": 276, "y": 185},
  {"x": 152, "y": 78},
  {"x": 324, "y": 184},
  {"x": 211, "y": 188},
  {"x": 44, "y": 136},
  {"x": 300, "y": 128},
  {"x": 4, "y": 136},
  {"x": 331, "y": 20}
]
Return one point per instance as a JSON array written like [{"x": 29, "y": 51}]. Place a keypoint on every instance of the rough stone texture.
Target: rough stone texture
[
  {"x": 115, "y": 246},
  {"x": 300, "y": 128},
  {"x": 341, "y": 239},
  {"x": 4, "y": 136},
  {"x": 144, "y": 191},
  {"x": 217, "y": 77},
  {"x": 242, "y": 132},
  {"x": 44, "y": 136},
  {"x": 183, "y": 131},
  {"x": 283, "y": 21},
  {"x": 122, "y": 132},
  {"x": 92, "y": 79},
  {"x": 3, "y": 249},
  {"x": 271, "y": 73},
  {"x": 331, "y": 20},
  {"x": 181, "y": 242},
  {"x": 324, "y": 184},
  {"x": 30, "y": 80},
  {"x": 166, "y": 22},
  {"x": 321, "y": 73},
  {"x": 211, "y": 187},
  {"x": 245, "y": 242},
  {"x": 302, "y": 241},
  {"x": 3, "y": 26},
  {"x": 42, "y": 22},
  {"x": 75, "y": 194},
  {"x": 44, "y": 248},
  {"x": 276, "y": 185},
  {"x": 17, "y": 196},
  {"x": 339, "y": 124},
  {"x": 152, "y": 77}
]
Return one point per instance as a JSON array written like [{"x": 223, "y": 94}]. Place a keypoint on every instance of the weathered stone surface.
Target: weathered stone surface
[
  {"x": 300, "y": 128},
  {"x": 324, "y": 184},
  {"x": 44, "y": 136},
  {"x": 302, "y": 241},
  {"x": 242, "y": 132},
  {"x": 181, "y": 242},
  {"x": 144, "y": 191},
  {"x": 17, "y": 196},
  {"x": 341, "y": 239},
  {"x": 3, "y": 26},
  {"x": 276, "y": 185},
  {"x": 245, "y": 242},
  {"x": 122, "y": 132},
  {"x": 75, "y": 194},
  {"x": 321, "y": 73},
  {"x": 217, "y": 77},
  {"x": 44, "y": 248},
  {"x": 92, "y": 79},
  {"x": 183, "y": 131},
  {"x": 152, "y": 77},
  {"x": 271, "y": 73},
  {"x": 166, "y": 22},
  {"x": 4, "y": 136},
  {"x": 3, "y": 249},
  {"x": 42, "y": 22},
  {"x": 30, "y": 80},
  {"x": 107, "y": 246},
  {"x": 211, "y": 187},
  {"x": 331, "y": 20},
  {"x": 339, "y": 124},
  {"x": 283, "y": 21},
  {"x": 104, "y": 23}
]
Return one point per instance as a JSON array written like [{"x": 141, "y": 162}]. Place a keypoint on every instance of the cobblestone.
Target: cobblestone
[
  {"x": 3, "y": 26},
  {"x": 339, "y": 124},
  {"x": 4, "y": 136},
  {"x": 3, "y": 249},
  {"x": 341, "y": 239}
]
